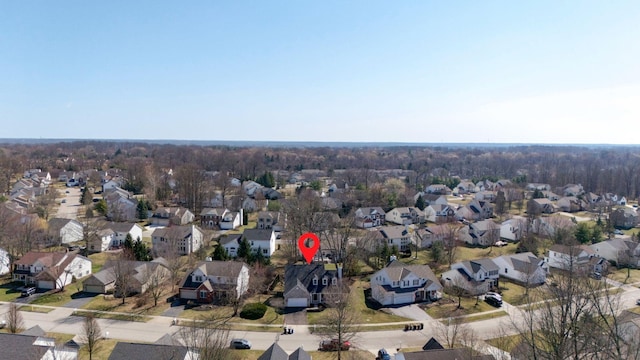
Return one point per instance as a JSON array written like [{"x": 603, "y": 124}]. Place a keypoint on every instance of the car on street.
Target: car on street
[
  {"x": 618, "y": 232},
  {"x": 383, "y": 355},
  {"x": 240, "y": 344},
  {"x": 638, "y": 302},
  {"x": 333, "y": 345}
]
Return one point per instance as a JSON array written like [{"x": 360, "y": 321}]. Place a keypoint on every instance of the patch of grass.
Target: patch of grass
[
  {"x": 464, "y": 253},
  {"x": 36, "y": 309},
  {"x": 480, "y": 317},
  {"x": 513, "y": 293},
  {"x": 54, "y": 299},
  {"x": 621, "y": 275},
  {"x": 506, "y": 343},
  {"x": 98, "y": 260},
  {"x": 113, "y": 316},
  {"x": 105, "y": 347},
  {"x": 9, "y": 291},
  {"x": 111, "y": 304},
  {"x": 448, "y": 307}
]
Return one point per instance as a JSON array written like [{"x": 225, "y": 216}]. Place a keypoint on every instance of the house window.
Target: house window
[
  {"x": 265, "y": 251},
  {"x": 198, "y": 278},
  {"x": 203, "y": 294},
  {"x": 506, "y": 270},
  {"x": 416, "y": 282},
  {"x": 315, "y": 281},
  {"x": 324, "y": 281},
  {"x": 334, "y": 281}
]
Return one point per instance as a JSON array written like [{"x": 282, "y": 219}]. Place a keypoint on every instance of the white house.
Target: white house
[
  {"x": 483, "y": 233},
  {"x": 395, "y": 236},
  {"x": 231, "y": 220},
  {"x": 64, "y": 231},
  {"x": 184, "y": 239},
  {"x": 405, "y": 216},
  {"x": 581, "y": 258},
  {"x": 114, "y": 234},
  {"x": 230, "y": 243},
  {"x": 262, "y": 239},
  {"x": 399, "y": 284},
  {"x": 213, "y": 280},
  {"x": 369, "y": 217},
  {"x": 524, "y": 268},
  {"x": 513, "y": 229},
  {"x": 622, "y": 251},
  {"x": 475, "y": 276},
  {"x": 49, "y": 270}
]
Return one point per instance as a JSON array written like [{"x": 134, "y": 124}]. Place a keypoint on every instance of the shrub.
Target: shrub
[{"x": 253, "y": 311}]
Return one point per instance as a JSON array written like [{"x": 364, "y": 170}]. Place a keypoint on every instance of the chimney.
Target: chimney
[{"x": 339, "y": 267}]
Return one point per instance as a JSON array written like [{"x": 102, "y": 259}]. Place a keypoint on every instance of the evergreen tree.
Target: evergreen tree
[
  {"x": 101, "y": 207},
  {"x": 86, "y": 196},
  {"x": 244, "y": 249},
  {"x": 582, "y": 233},
  {"x": 128, "y": 242},
  {"x": 142, "y": 209},
  {"x": 501, "y": 203},
  {"x": 141, "y": 251},
  {"x": 259, "y": 257},
  {"x": 420, "y": 204},
  {"x": 220, "y": 253}
]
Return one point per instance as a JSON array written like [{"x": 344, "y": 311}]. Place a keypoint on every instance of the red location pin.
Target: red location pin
[{"x": 308, "y": 252}]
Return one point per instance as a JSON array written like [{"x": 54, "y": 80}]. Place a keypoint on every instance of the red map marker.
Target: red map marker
[{"x": 308, "y": 252}]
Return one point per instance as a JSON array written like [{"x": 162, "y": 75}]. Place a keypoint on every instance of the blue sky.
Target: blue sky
[{"x": 402, "y": 71}]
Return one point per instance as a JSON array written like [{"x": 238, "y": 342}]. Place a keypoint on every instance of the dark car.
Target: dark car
[
  {"x": 493, "y": 299},
  {"x": 383, "y": 355},
  {"x": 28, "y": 291},
  {"x": 333, "y": 345},
  {"x": 240, "y": 344}
]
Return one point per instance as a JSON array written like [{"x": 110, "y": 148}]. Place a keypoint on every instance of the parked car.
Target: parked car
[
  {"x": 618, "y": 232},
  {"x": 333, "y": 345},
  {"x": 638, "y": 302},
  {"x": 240, "y": 344},
  {"x": 28, "y": 291},
  {"x": 493, "y": 299},
  {"x": 383, "y": 355}
]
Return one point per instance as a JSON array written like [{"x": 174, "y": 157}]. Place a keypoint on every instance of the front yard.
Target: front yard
[
  {"x": 448, "y": 307},
  {"x": 621, "y": 275},
  {"x": 138, "y": 306}
]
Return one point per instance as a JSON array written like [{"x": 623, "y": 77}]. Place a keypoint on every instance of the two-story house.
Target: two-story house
[
  {"x": 399, "y": 284},
  {"x": 524, "y": 268},
  {"x": 183, "y": 240},
  {"x": 620, "y": 251},
  {"x": 231, "y": 220},
  {"x": 211, "y": 281},
  {"x": 483, "y": 233},
  {"x": 210, "y": 218},
  {"x": 513, "y": 229},
  {"x": 113, "y": 234},
  {"x": 165, "y": 216},
  {"x": 64, "y": 231},
  {"x": 140, "y": 275},
  {"x": 475, "y": 277},
  {"x": 369, "y": 217},
  {"x": 307, "y": 285},
  {"x": 263, "y": 240},
  {"x": 271, "y": 220},
  {"x": 50, "y": 270},
  {"x": 405, "y": 216},
  {"x": 581, "y": 258},
  {"x": 395, "y": 236}
]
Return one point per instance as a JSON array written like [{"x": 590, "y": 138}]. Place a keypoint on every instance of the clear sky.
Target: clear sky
[{"x": 392, "y": 71}]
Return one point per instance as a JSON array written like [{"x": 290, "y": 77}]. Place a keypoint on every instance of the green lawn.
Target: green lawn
[
  {"x": 480, "y": 317},
  {"x": 56, "y": 299},
  {"x": 9, "y": 292},
  {"x": 114, "y": 316},
  {"x": 449, "y": 308},
  {"x": 621, "y": 275},
  {"x": 36, "y": 309},
  {"x": 367, "y": 315},
  {"x": 98, "y": 260},
  {"x": 513, "y": 293},
  {"x": 464, "y": 253}
]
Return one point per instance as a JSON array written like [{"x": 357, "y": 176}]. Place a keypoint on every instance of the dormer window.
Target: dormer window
[
  {"x": 325, "y": 281},
  {"x": 315, "y": 281},
  {"x": 198, "y": 278}
]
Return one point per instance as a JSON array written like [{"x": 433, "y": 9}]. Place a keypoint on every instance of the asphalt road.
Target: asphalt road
[{"x": 69, "y": 209}]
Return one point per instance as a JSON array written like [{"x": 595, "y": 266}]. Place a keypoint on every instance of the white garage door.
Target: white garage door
[
  {"x": 297, "y": 302},
  {"x": 48, "y": 285},
  {"x": 406, "y": 298}
]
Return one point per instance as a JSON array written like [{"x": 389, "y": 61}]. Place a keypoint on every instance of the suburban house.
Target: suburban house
[
  {"x": 165, "y": 216},
  {"x": 271, "y": 220},
  {"x": 113, "y": 234},
  {"x": 263, "y": 240},
  {"x": 275, "y": 352},
  {"x": 210, "y": 218},
  {"x": 524, "y": 268},
  {"x": 22, "y": 346},
  {"x": 127, "y": 351},
  {"x": 486, "y": 196},
  {"x": 483, "y": 233},
  {"x": 231, "y": 220},
  {"x": 231, "y": 243},
  {"x": 64, "y": 231},
  {"x": 541, "y": 206},
  {"x": 442, "y": 213},
  {"x": 307, "y": 285},
  {"x": 50, "y": 270},
  {"x": 620, "y": 251},
  {"x": 475, "y": 210},
  {"x": 475, "y": 276},
  {"x": 571, "y": 204},
  {"x": 5, "y": 262},
  {"x": 140, "y": 275},
  {"x": 184, "y": 239},
  {"x": 624, "y": 218},
  {"x": 548, "y": 226},
  {"x": 405, "y": 216},
  {"x": 572, "y": 190},
  {"x": 121, "y": 205},
  {"x": 369, "y": 217},
  {"x": 438, "y": 189},
  {"x": 513, "y": 229},
  {"x": 211, "y": 281},
  {"x": 399, "y": 284},
  {"x": 580, "y": 257},
  {"x": 434, "y": 233},
  {"x": 538, "y": 186},
  {"x": 431, "y": 199},
  {"x": 466, "y": 187},
  {"x": 395, "y": 236}
]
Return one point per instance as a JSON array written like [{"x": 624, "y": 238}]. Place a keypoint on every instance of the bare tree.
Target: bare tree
[
  {"x": 91, "y": 334},
  {"x": 300, "y": 219},
  {"x": 341, "y": 321},
  {"x": 155, "y": 278},
  {"x": 456, "y": 333},
  {"x": 208, "y": 337},
  {"x": 13, "y": 317},
  {"x": 123, "y": 271},
  {"x": 450, "y": 241}
]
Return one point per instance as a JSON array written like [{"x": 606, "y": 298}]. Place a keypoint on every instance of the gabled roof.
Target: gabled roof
[
  {"x": 127, "y": 351},
  {"x": 56, "y": 224},
  {"x": 229, "y": 238},
  {"x": 274, "y": 352},
  {"x": 229, "y": 269},
  {"x": 394, "y": 232},
  {"x": 176, "y": 232},
  {"x": 523, "y": 262},
  {"x": 120, "y": 226},
  {"x": 572, "y": 250},
  {"x": 258, "y": 234},
  {"x": 300, "y": 354},
  {"x": 295, "y": 275},
  {"x": 46, "y": 258},
  {"x": 432, "y": 344},
  {"x": 213, "y": 211},
  {"x": 473, "y": 266}
]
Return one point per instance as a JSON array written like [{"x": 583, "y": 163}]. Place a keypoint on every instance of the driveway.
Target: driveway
[
  {"x": 78, "y": 300},
  {"x": 295, "y": 317},
  {"x": 413, "y": 312}
]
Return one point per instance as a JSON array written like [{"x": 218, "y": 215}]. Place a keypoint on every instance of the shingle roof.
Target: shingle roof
[
  {"x": 127, "y": 351},
  {"x": 394, "y": 232},
  {"x": 274, "y": 352},
  {"x": 304, "y": 274},
  {"x": 300, "y": 354},
  {"x": 258, "y": 234},
  {"x": 229, "y": 269},
  {"x": 15, "y": 346}
]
